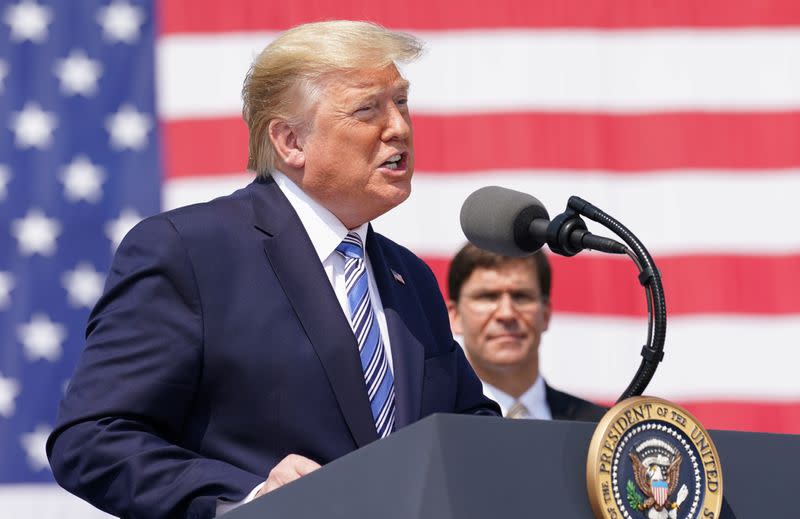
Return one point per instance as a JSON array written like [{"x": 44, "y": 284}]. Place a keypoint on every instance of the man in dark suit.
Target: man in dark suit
[
  {"x": 500, "y": 306},
  {"x": 272, "y": 330}
]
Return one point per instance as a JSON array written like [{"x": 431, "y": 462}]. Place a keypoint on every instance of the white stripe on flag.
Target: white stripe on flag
[
  {"x": 479, "y": 71},
  {"x": 708, "y": 357},
  {"x": 671, "y": 212}
]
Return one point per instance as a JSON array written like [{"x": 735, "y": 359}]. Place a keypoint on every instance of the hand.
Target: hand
[{"x": 287, "y": 470}]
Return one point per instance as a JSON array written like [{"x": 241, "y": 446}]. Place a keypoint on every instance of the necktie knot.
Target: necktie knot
[
  {"x": 518, "y": 410},
  {"x": 351, "y": 246}
]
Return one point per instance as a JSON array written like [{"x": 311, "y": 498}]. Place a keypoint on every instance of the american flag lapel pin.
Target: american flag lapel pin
[{"x": 398, "y": 277}]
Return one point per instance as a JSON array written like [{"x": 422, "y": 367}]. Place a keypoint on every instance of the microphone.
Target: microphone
[{"x": 517, "y": 224}]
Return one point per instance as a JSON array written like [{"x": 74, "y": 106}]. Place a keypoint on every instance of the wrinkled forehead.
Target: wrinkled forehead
[{"x": 364, "y": 81}]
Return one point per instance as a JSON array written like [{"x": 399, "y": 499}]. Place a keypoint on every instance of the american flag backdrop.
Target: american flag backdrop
[{"x": 679, "y": 118}]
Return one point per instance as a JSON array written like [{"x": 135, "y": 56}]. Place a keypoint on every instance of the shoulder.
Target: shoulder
[
  {"x": 223, "y": 210},
  {"x": 220, "y": 215},
  {"x": 565, "y": 406}
]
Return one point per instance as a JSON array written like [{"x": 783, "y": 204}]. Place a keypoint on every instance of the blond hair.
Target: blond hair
[{"x": 299, "y": 59}]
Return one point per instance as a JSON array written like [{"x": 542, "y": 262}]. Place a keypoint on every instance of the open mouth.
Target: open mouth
[{"x": 397, "y": 161}]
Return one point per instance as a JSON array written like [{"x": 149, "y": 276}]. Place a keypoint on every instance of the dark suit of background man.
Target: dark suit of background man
[
  {"x": 222, "y": 349},
  {"x": 501, "y": 307}
]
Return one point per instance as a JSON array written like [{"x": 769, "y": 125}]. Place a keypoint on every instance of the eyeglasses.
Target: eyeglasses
[{"x": 489, "y": 302}]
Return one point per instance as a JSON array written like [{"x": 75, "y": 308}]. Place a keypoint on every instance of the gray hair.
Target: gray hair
[{"x": 298, "y": 61}]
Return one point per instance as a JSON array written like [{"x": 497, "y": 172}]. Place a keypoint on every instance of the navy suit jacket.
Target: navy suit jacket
[
  {"x": 219, "y": 347},
  {"x": 564, "y": 406}
]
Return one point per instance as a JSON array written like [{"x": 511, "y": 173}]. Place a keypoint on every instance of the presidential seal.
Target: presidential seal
[{"x": 651, "y": 459}]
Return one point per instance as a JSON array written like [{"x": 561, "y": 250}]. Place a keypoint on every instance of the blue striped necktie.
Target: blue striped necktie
[{"x": 378, "y": 376}]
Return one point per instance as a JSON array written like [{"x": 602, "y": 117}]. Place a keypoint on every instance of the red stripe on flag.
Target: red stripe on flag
[
  {"x": 752, "y": 415},
  {"x": 198, "y": 147},
  {"x": 181, "y": 16},
  {"x": 588, "y": 142},
  {"x": 581, "y": 141},
  {"x": 756, "y": 416},
  {"x": 605, "y": 285}
]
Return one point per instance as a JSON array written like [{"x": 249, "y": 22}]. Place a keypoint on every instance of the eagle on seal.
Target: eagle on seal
[{"x": 655, "y": 484}]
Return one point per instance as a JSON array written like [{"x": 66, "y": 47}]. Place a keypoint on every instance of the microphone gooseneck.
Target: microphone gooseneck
[{"x": 650, "y": 278}]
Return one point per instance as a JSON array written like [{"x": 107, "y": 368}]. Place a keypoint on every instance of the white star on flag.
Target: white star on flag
[
  {"x": 78, "y": 74},
  {"x": 9, "y": 389},
  {"x": 42, "y": 338},
  {"x": 117, "y": 229},
  {"x": 3, "y": 74},
  {"x": 121, "y": 21},
  {"x": 34, "y": 444},
  {"x": 28, "y": 21},
  {"x": 82, "y": 180},
  {"x": 6, "y": 284},
  {"x": 33, "y": 127},
  {"x": 128, "y": 128},
  {"x": 36, "y": 233},
  {"x": 84, "y": 285},
  {"x": 79, "y": 129},
  {"x": 5, "y": 176}
]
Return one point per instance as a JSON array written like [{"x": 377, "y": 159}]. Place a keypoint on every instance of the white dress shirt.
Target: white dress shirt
[
  {"x": 326, "y": 233},
  {"x": 534, "y": 399}
]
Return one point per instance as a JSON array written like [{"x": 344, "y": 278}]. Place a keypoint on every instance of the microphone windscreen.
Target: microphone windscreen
[{"x": 499, "y": 220}]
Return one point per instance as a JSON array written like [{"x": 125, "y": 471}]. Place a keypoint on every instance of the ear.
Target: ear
[
  {"x": 455, "y": 318},
  {"x": 287, "y": 142},
  {"x": 547, "y": 312}
]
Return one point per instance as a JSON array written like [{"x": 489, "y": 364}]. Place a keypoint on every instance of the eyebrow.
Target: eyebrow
[
  {"x": 513, "y": 292},
  {"x": 400, "y": 84}
]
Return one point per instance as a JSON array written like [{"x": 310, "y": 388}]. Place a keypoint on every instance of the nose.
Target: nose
[
  {"x": 505, "y": 308},
  {"x": 398, "y": 124}
]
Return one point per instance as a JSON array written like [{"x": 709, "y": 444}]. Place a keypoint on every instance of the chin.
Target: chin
[
  {"x": 506, "y": 364},
  {"x": 509, "y": 344},
  {"x": 403, "y": 195},
  {"x": 395, "y": 194},
  {"x": 373, "y": 210},
  {"x": 511, "y": 355}
]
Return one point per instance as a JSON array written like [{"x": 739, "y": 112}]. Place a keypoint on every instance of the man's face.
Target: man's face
[
  {"x": 501, "y": 315},
  {"x": 359, "y": 151}
]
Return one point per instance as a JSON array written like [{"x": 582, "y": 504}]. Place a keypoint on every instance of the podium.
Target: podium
[{"x": 465, "y": 467}]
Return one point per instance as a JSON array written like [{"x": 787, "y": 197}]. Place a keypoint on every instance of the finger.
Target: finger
[
  {"x": 303, "y": 466},
  {"x": 278, "y": 478},
  {"x": 287, "y": 470}
]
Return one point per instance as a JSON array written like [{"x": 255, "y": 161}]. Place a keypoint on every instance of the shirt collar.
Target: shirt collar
[
  {"x": 535, "y": 398},
  {"x": 324, "y": 229}
]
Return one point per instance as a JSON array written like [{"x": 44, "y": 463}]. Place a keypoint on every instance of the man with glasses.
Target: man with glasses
[{"x": 501, "y": 306}]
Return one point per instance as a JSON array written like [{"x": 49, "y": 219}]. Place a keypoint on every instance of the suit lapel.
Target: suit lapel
[
  {"x": 400, "y": 308},
  {"x": 295, "y": 263},
  {"x": 560, "y": 406}
]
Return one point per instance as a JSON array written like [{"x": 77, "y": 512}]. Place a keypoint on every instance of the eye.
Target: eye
[
  {"x": 402, "y": 102},
  {"x": 523, "y": 298},
  {"x": 365, "y": 108}
]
